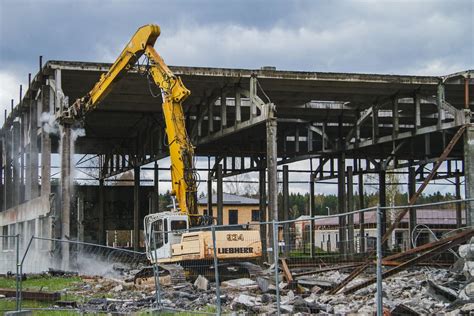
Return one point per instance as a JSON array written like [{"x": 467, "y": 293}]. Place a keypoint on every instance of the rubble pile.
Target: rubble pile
[{"x": 419, "y": 290}]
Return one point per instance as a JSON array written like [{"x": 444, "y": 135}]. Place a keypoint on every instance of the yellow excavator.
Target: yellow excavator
[{"x": 171, "y": 237}]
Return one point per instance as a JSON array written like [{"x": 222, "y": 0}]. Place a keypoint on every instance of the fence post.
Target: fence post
[
  {"x": 379, "y": 299},
  {"x": 156, "y": 272},
  {"x": 275, "y": 257},
  {"x": 17, "y": 280},
  {"x": 216, "y": 271},
  {"x": 21, "y": 268}
]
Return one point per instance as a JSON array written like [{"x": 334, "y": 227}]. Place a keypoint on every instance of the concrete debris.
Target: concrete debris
[
  {"x": 201, "y": 283},
  {"x": 466, "y": 251},
  {"x": 417, "y": 290},
  {"x": 404, "y": 310},
  {"x": 441, "y": 293},
  {"x": 263, "y": 284},
  {"x": 243, "y": 283}
]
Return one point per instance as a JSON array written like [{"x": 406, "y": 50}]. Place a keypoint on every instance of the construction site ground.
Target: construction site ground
[{"x": 420, "y": 290}]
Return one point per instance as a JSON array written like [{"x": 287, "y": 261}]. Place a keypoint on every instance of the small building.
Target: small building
[
  {"x": 432, "y": 223},
  {"x": 236, "y": 209}
]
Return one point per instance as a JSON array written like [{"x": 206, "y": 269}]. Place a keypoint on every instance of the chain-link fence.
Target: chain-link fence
[
  {"x": 9, "y": 265},
  {"x": 325, "y": 264}
]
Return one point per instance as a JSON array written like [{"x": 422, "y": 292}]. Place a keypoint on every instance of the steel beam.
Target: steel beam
[
  {"x": 383, "y": 203},
  {"x": 412, "y": 212},
  {"x": 361, "y": 214},
  {"x": 263, "y": 210},
  {"x": 341, "y": 202},
  {"x": 101, "y": 223},
  {"x": 136, "y": 208},
  {"x": 458, "y": 197},
  {"x": 220, "y": 196},
  {"x": 286, "y": 209},
  {"x": 350, "y": 208}
]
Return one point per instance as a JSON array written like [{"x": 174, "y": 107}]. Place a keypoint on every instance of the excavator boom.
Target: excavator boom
[{"x": 173, "y": 94}]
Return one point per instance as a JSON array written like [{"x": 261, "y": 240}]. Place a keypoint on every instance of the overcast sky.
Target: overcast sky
[{"x": 397, "y": 37}]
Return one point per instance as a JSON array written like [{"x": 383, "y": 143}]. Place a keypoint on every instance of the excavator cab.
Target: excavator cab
[{"x": 162, "y": 231}]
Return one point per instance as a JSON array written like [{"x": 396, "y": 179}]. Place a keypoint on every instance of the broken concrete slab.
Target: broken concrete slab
[
  {"x": 243, "y": 283},
  {"x": 263, "y": 284},
  {"x": 311, "y": 282},
  {"x": 201, "y": 283},
  {"x": 441, "y": 293}
]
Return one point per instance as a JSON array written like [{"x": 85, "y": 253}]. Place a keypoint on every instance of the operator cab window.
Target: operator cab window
[{"x": 178, "y": 225}]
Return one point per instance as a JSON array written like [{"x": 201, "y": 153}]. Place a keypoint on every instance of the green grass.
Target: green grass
[{"x": 45, "y": 283}]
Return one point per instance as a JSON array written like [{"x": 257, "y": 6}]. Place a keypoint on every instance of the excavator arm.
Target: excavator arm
[{"x": 173, "y": 94}]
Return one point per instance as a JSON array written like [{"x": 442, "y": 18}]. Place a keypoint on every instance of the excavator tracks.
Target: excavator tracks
[{"x": 177, "y": 273}]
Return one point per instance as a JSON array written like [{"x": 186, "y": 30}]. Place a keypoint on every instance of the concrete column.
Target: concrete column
[
  {"x": 286, "y": 209},
  {"x": 458, "y": 197},
  {"x": 66, "y": 190},
  {"x": 223, "y": 111},
  {"x": 7, "y": 200},
  {"x": 220, "y": 196},
  {"x": 350, "y": 208},
  {"x": 361, "y": 215},
  {"x": 136, "y": 208},
  {"x": 271, "y": 127},
  {"x": 80, "y": 217},
  {"x": 469, "y": 172},
  {"x": 16, "y": 164},
  {"x": 101, "y": 230},
  {"x": 23, "y": 126},
  {"x": 383, "y": 203},
  {"x": 27, "y": 156},
  {"x": 238, "y": 106},
  {"x": 263, "y": 209},
  {"x": 210, "y": 118},
  {"x": 156, "y": 188},
  {"x": 341, "y": 202},
  {"x": 412, "y": 211},
  {"x": 47, "y": 104},
  {"x": 33, "y": 146}
]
